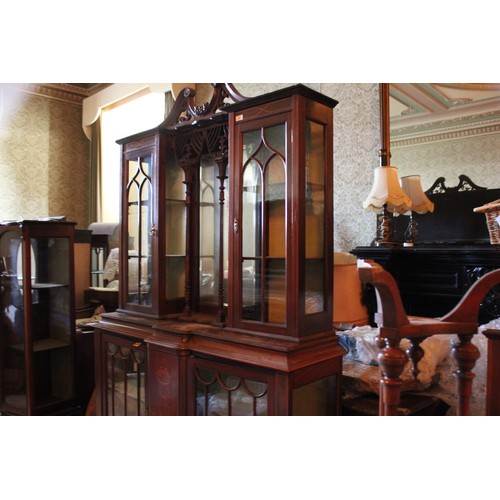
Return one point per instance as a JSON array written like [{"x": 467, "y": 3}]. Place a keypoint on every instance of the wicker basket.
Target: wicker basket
[{"x": 492, "y": 212}]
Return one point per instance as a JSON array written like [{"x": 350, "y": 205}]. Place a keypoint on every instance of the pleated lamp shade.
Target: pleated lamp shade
[
  {"x": 387, "y": 190},
  {"x": 413, "y": 188}
]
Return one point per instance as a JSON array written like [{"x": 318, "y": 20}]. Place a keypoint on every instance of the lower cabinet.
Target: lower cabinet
[
  {"x": 178, "y": 368},
  {"x": 122, "y": 376},
  {"x": 219, "y": 389}
]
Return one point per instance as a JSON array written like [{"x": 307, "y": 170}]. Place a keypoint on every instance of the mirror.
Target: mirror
[{"x": 445, "y": 130}]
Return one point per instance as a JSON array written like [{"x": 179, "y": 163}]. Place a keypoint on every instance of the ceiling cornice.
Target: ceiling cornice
[
  {"x": 68, "y": 92},
  {"x": 412, "y": 139}
]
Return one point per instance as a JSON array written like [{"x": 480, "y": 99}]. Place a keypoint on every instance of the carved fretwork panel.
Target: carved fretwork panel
[
  {"x": 226, "y": 392},
  {"x": 190, "y": 147}
]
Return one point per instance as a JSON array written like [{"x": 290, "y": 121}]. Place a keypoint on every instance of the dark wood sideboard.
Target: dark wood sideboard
[
  {"x": 432, "y": 279},
  {"x": 452, "y": 250}
]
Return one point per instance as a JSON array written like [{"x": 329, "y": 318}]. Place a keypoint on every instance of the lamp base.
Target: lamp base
[{"x": 384, "y": 227}]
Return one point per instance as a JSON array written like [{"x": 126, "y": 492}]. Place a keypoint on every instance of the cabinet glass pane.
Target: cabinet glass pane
[
  {"x": 251, "y": 287},
  {"x": 315, "y": 217},
  {"x": 251, "y": 210},
  {"x": 264, "y": 225},
  {"x": 251, "y": 242},
  {"x": 221, "y": 394},
  {"x": 140, "y": 224},
  {"x": 275, "y": 207},
  {"x": 125, "y": 379},
  {"x": 175, "y": 228},
  {"x": 318, "y": 398},
  {"x": 13, "y": 384},
  {"x": 275, "y": 291},
  {"x": 51, "y": 320},
  {"x": 209, "y": 233}
]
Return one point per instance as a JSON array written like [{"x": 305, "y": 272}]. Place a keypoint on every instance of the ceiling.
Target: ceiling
[{"x": 425, "y": 110}]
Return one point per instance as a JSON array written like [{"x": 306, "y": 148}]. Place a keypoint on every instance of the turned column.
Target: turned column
[
  {"x": 221, "y": 161},
  {"x": 392, "y": 361},
  {"x": 189, "y": 172},
  {"x": 415, "y": 353},
  {"x": 466, "y": 354}
]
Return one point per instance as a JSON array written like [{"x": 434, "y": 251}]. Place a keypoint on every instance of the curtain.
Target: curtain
[{"x": 95, "y": 208}]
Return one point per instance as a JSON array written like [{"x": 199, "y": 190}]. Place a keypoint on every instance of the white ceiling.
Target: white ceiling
[{"x": 425, "y": 109}]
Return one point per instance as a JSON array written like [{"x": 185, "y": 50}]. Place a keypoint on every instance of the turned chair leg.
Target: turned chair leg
[
  {"x": 392, "y": 361},
  {"x": 415, "y": 353},
  {"x": 466, "y": 354}
]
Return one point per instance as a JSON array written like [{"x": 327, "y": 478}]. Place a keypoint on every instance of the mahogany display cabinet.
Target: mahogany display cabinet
[
  {"x": 227, "y": 245},
  {"x": 37, "y": 342}
]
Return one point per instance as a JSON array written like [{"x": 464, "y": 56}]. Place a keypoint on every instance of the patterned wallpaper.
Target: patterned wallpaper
[
  {"x": 476, "y": 156},
  {"x": 44, "y": 158},
  {"x": 356, "y": 142}
]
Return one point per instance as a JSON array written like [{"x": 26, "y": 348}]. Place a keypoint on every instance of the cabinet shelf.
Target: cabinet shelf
[
  {"x": 42, "y": 286},
  {"x": 266, "y": 257},
  {"x": 143, "y": 203},
  {"x": 43, "y": 345},
  {"x": 16, "y": 404}
]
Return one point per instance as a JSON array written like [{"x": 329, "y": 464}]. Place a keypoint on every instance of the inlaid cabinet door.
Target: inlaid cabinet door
[{"x": 123, "y": 376}]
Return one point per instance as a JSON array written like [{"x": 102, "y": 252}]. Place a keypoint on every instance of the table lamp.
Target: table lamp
[
  {"x": 420, "y": 204},
  {"x": 386, "y": 197}
]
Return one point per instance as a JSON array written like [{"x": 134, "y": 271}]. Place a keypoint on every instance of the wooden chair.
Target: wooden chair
[{"x": 395, "y": 325}]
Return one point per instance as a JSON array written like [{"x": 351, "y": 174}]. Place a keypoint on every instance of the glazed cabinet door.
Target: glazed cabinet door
[
  {"x": 139, "y": 226},
  {"x": 219, "y": 389},
  {"x": 153, "y": 225},
  {"x": 122, "y": 376},
  {"x": 282, "y": 214},
  {"x": 260, "y": 219}
]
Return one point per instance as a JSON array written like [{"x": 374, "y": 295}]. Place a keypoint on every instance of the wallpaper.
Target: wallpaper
[
  {"x": 356, "y": 142},
  {"x": 476, "y": 156},
  {"x": 44, "y": 158}
]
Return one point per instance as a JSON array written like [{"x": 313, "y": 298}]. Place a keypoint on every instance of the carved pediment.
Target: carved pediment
[{"x": 187, "y": 111}]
